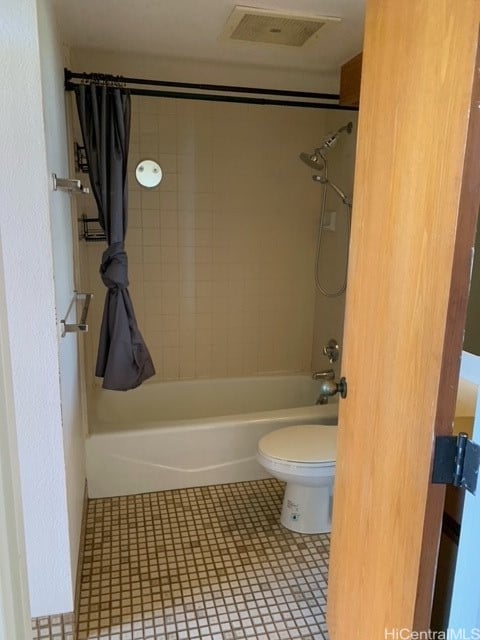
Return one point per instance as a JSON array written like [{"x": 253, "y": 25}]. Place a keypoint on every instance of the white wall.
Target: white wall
[
  {"x": 30, "y": 301},
  {"x": 210, "y": 72},
  {"x": 14, "y": 605},
  {"x": 53, "y": 58}
]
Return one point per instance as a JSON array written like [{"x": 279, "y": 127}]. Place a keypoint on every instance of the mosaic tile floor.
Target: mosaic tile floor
[
  {"x": 210, "y": 563},
  {"x": 60, "y": 627}
]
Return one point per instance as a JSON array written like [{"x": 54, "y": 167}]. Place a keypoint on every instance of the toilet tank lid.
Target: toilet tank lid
[{"x": 301, "y": 443}]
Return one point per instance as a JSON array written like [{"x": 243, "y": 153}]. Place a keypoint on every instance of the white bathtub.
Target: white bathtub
[{"x": 173, "y": 435}]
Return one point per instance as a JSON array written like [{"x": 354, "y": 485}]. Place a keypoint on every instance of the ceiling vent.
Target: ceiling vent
[{"x": 273, "y": 27}]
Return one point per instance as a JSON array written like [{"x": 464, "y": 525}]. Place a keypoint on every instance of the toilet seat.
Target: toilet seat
[{"x": 311, "y": 445}]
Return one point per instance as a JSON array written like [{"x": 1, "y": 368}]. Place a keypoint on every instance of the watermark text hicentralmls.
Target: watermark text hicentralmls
[{"x": 450, "y": 634}]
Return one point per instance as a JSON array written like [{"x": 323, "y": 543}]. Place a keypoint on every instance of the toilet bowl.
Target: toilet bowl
[{"x": 304, "y": 457}]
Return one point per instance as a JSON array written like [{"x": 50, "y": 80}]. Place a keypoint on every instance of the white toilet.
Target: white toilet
[{"x": 304, "y": 457}]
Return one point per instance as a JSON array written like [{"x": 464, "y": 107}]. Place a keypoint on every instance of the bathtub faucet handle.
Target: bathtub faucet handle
[{"x": 331, "y": 350}]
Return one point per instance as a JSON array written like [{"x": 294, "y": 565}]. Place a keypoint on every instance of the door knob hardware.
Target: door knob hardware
[{"x": 342, "y": 387}]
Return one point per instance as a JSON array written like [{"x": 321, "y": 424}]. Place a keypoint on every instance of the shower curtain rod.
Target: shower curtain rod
[{"x": 122, "y": 81}]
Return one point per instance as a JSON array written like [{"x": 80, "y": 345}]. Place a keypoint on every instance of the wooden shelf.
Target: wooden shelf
[{"x": 350, "y": 78}]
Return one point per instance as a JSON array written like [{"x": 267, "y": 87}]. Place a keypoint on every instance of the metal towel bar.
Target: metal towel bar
[
  {"x": 82, "y": 325},
  {"x": 72, "y": 185}
]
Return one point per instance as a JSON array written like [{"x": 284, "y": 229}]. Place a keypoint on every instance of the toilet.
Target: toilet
[{"x": 304, "y": 457}]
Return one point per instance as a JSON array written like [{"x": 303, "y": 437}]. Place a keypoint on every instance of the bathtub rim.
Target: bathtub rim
[
  {"x": 230, "y": 420},
  {"x": 97, "y": 396}
]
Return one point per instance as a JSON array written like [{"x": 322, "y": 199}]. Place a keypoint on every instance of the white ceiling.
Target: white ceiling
[{"x": 193, "y": 28}]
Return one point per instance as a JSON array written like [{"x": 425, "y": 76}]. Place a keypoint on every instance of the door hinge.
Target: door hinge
[{"x": 456, "y": 461}]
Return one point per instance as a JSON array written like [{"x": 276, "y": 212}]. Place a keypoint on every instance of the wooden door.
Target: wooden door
[{"x": 416, "y": 196}]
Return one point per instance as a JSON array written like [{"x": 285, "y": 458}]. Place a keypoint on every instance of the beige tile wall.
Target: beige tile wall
[{"x": 221, "y": 255}]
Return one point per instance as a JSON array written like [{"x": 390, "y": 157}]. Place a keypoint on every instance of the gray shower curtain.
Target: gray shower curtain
[{"x": 123, "y": 360}]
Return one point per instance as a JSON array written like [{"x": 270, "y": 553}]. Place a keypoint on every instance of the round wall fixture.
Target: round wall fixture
[{"x": 148, "y": 173}]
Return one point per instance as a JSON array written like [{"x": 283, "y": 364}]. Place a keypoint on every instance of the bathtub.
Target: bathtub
[{"x": 172, "y": 435}]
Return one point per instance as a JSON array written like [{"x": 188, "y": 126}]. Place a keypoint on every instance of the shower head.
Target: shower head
[{"x": 314, "y": 161}]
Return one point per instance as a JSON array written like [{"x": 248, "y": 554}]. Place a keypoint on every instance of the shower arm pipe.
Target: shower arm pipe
[
  {"x": 346, "y": 127},
  {"x": 72, "y": 79}
]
